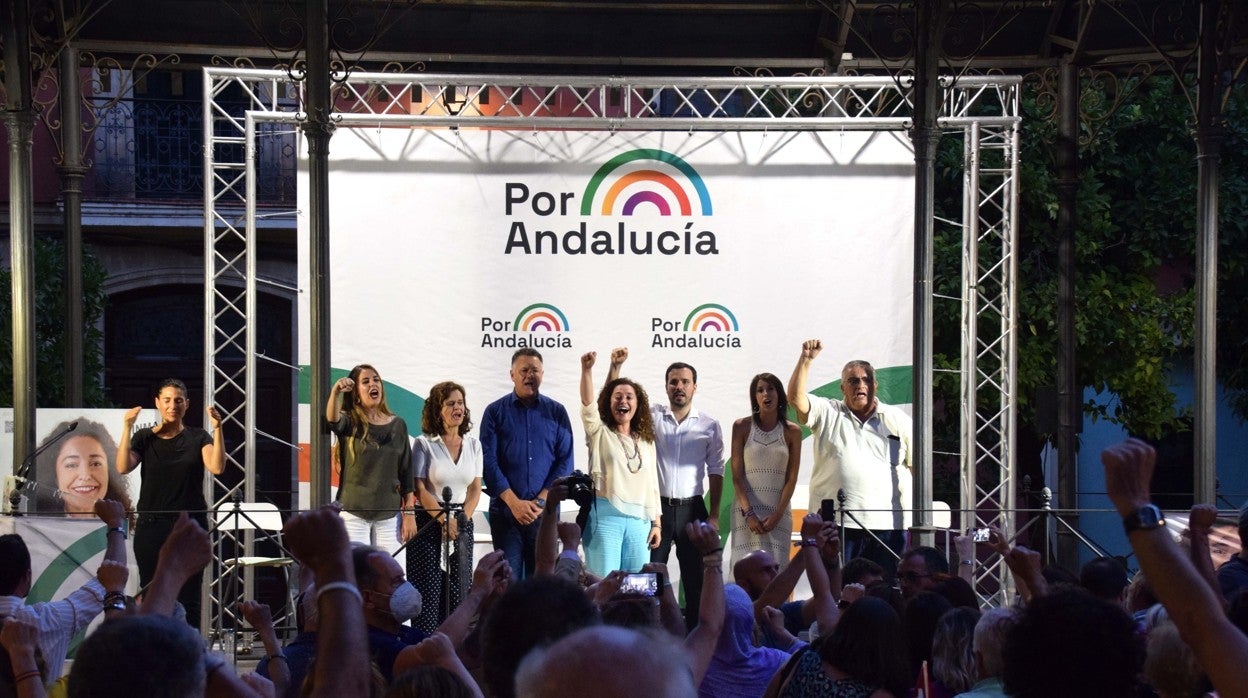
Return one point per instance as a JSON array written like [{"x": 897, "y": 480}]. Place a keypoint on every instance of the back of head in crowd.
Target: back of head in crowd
[
  {"x": 1059, "y": 577},
  {"x": 867, "y": 646},
  {"x": 14, "y": 565},
  {"x": 1170, "y": 665},
  {"x": 988, "y": 643},
  {"x": 607, "y": 662},
  {"x": 861, "y": 570},
  {"x": 631, "y": 610},
  {"x": 919, "y": 621},
  {"x": 1071, "y": 644},
  {"x": 953, "y": 660},
  {"x": 936, "y": 561},
  {"x": 1105, "y": 578},
  {"x": 535, "y": 612},
  {"x": 152, "y": 656},
  {"x": 428, "y": 681},
  {"x": 889, "y": 594},
  {"x": 956, "y": 590}
]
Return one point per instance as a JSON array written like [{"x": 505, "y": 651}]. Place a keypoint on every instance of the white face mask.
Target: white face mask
[{"x": 405, "y": 602}]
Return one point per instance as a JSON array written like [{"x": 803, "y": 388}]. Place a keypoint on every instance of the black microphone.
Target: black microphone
[{"x": 446, "y": 494}]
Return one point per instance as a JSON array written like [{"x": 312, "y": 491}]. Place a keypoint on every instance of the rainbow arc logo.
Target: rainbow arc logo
[
  {"x": 543, "y": 317},
  {"x": 643, "y": 177},
  {"x": 711, "y": 317}
]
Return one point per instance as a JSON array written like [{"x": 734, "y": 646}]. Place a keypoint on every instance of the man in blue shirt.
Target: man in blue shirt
[{"x": 526, "y": 441}]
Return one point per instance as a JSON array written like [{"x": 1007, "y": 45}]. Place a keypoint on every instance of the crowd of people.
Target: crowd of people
[{"x": 588, "y": 608}]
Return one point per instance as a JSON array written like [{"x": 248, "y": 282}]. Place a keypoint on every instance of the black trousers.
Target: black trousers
[
  {"x": 150, "y": 532},
  {"x": 673, "y": 531},
  {"x": 859, "y": 543}
]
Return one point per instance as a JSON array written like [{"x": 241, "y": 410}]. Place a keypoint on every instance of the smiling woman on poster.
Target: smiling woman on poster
[
  {"x": 174, "y": 457},
  {"x": 77, "y": 471},
  {"x": 374, "y": 463}
]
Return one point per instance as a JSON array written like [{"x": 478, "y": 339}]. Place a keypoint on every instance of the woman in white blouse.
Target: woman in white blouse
[
  {"x": 624, "y": 522},
  {"x": 445, "y": 455}
]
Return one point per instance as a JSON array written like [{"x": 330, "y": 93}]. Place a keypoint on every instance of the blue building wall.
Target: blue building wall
[{"x": 1105, "y": 527}]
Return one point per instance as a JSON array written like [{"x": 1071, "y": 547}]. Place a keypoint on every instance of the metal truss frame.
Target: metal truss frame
[
  {"x": 989, "y": 341},
  {"x": 982, "y": 110},
  {"x": 231, "y": 310}
]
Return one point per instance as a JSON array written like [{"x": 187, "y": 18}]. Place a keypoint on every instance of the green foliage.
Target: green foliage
[
  {"x": 49, "y": 322},
  {"x": 1134, "y": 252}
]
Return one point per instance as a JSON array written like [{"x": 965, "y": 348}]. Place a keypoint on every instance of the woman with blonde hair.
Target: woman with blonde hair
[{"x": 374, "y": 463}]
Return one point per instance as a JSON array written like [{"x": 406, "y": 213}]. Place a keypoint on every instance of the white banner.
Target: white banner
[{"x": 450, "y": 249}]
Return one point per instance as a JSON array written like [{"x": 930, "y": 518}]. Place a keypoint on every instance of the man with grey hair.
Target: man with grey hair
[
  {"x": 861, "y": 448},
  {"x": 987, "y": 643},
  {"x": 608, "y": 662}
]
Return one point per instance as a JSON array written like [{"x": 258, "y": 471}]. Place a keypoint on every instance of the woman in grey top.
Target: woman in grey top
[{"x": 374, "y": 461}]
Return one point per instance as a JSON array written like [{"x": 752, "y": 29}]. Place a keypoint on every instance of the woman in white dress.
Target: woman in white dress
[
  {"x": 766, "y": 452},
  {"x": 445, "y": 455}
]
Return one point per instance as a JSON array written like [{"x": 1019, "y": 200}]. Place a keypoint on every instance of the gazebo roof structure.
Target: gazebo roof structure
[{"x": 669, "y": 36}]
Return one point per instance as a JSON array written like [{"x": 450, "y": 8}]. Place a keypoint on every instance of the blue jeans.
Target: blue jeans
[
  {"x": 517, "y": 541},
  {"x": 616, "y": 541}
]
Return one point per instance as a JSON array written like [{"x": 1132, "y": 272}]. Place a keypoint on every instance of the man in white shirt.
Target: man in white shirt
[
  {"x": 59, "y": 621},
  {"x": 861, "y": 447},
  {"x": 690, "y": 446}
]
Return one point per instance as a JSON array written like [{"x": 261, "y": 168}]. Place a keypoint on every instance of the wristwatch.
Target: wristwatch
[
  {"x": 1146, "y": 518},
  {"x": 540, "y": 501}
]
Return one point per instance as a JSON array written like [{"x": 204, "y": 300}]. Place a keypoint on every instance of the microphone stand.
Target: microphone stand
[
  {"x": 840, "y": 497},
  {"x": 22, "y": 474},
  {"x": 447, "y": 511}
]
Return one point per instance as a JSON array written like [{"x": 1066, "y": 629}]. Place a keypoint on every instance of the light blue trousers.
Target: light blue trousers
[{"x": 616, "y": 541}]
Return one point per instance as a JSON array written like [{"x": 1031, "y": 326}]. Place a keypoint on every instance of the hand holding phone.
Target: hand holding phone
[
  {"x": 827, "y": 509},
  {"x": 644, "y": 583}
]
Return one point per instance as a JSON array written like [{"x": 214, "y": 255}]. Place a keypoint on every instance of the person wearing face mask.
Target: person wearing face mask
[
  {"x": 389, "y": 602},
  {"x": 861, "y": 446},
  {"x": 625, "y": 522}
]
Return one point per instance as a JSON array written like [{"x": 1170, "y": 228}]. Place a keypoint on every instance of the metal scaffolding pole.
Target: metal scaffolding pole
[
  {"x": 1209, "y": 135},
  {"x": 1069, "y": 400},
  {"x": 930, "y": 20},
  {"x": 19, "y": 118},
  {"x": 318, "y": 130},
  {"x": 72, "y": 173}
]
